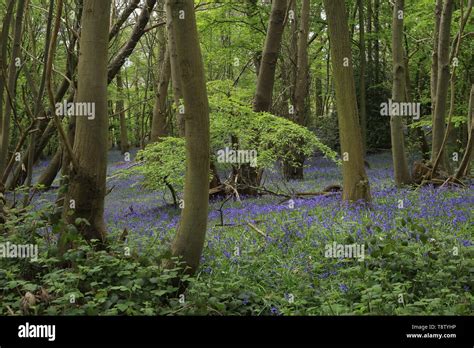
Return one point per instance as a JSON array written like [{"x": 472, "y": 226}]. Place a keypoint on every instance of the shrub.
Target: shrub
[{"x": 236, "y": 126}]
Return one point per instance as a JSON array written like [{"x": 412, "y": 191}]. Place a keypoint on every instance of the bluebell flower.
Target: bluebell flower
[{"x": 274, "y": 310}]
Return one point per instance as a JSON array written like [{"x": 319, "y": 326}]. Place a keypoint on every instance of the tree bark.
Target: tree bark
[
  {"x": 65, "y": 167},
  {"x": 3, "y": 68},
  {"x": 87, "y": 185},
  {"x": 424, "y": 147},
  {"x": 442, "y": 85},
  {"x": 400, "y": 164},
  {"x": 49, "y": 174},
  {"x": 293, "y": 56},
  {"x": 11, "y": 85},
  {"x": 466, "y": 162},
  {"x": 355, "y": 181},
  {"x": 3, "y": 56},
  {"x": 454, "y": 53},
  {"x": 158, "y": 127},
  {"x": 38, "y": 105},
  {"x": 123, "y": 17},
  {"x": 124, "y": 144},
  {"x": 189, "y": 240},
  {"x": 176, "y": 79},
  {"x": 302, "y": 76},
  {"x": 250, "y": 176},
  {"x": 302, "y": 86},
  {"x": 370, "y": 58},
  {"x": 362, "y": 72},
  {"x": 434, "y": 56},
  {"x": 318, "y": 86},
  {"x": 376, "y": 42},
  {"x": 266, "y": 76}
]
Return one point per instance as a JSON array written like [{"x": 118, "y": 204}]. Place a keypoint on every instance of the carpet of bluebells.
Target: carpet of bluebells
[
  {"x": 418, "y": 249},
  {"x": 412, "y": 233}
]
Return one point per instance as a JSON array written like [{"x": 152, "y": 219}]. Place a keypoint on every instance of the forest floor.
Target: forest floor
[{"x": 415, "y": 261}]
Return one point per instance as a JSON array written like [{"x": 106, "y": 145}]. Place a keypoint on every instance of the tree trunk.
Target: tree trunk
[
  {"x": 376, "y": 41},
  {"x": 424, "y": 147},
  {"x": 362, "y": 72},
  {"x": 159, "y": 128},
  {"x": 434, "y": 55},
  {"x": 87, "y": 185},
  {"x": 113, "y": 68},
  {"x": 293, "y": 56},
  {"x": 400, "y": 164},
  {"x": 3, "y": 61},
  {"x": 115, "y": 29},
  {"x": 370, "y": 60},
  {"x": 39, "y": 98},
  {"x": 11, "y": 86},
  {"x": 49, "y": 174},
  {"x": 144, "y": 113},
  {"x": 302, "y": 76},
  {"x": 189, "y": 240},
  {"x": 265, "y": 82},
  {"x": 288, "y": 72},
  {"x": 127, "y": 49},
  {"x": 120, "y": 106},
  {"x": 216, "y": 180},
  {"x": 302, "y": 86},
  {"x": 65, "y": 167},
  {"x": 355, "y": 181},
  {"x": 465, "y": 166},
  {"x": 470, "y": 124},
  {"x": 319, "y": 96},
  {"x": 175, "y": 78},
  {"x": 442, "y": 85},
  {"x": 266, "y": 76}
]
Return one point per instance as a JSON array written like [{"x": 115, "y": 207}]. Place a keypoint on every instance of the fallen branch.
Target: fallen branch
[
  {"x": 329, "y": 190},
  {"x": 109, "y": 190},
  {"x": 10, "y": 310},
  {"x": 253, "y": 227},
  {"x": 323, "y": 193},
  {"x": 130, "y": 166},
  {"x": 217, "y": 189},
  {"x": 423, "y": 175}
]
